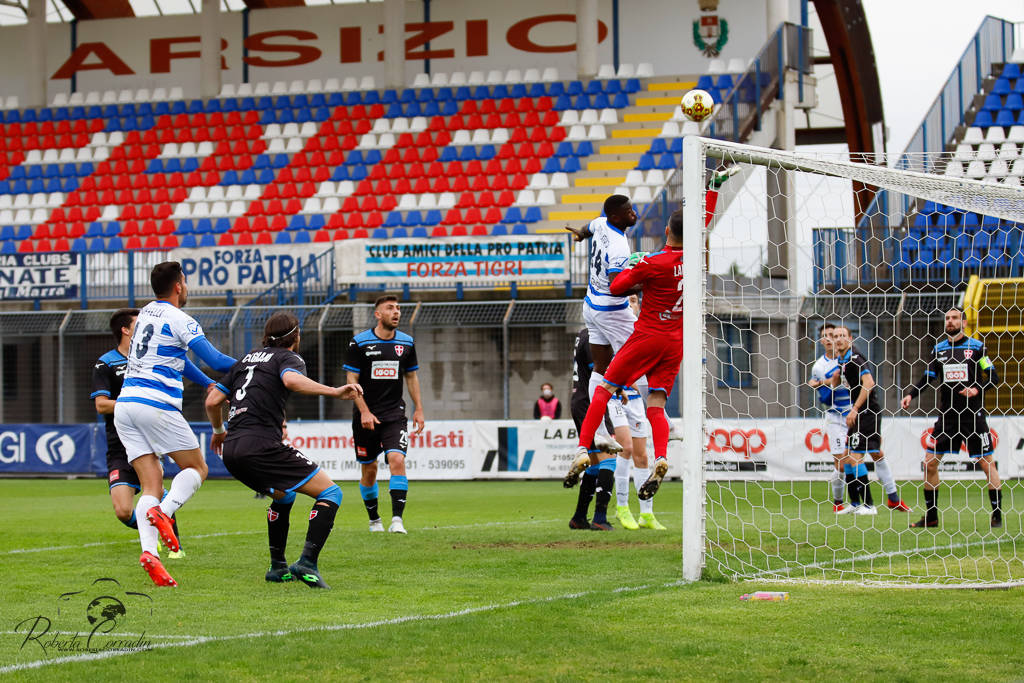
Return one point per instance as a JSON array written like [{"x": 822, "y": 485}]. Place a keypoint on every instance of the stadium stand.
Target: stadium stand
[
  {"x": 502, "y": 153},
  {"x": 944, "y": 246}
]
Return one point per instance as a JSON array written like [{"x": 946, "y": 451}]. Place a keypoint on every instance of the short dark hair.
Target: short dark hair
[
  {"x": 164, "y": 276},
  {"x": 828, "y": 326},
  {"x": 675, "y": 224},
  {"x": 383, "y": 300},
  {"x": 122, "y": 318},
  {"x": 958, "y": 310},
  {"x": 615, "y": 202},
  {"x": 281, "y": 330}
]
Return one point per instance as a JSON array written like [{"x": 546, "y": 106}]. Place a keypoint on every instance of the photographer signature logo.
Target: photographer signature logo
[{"x": 87, "y": 621}]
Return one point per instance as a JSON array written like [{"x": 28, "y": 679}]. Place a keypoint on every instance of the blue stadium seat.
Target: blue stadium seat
[
  {"x": 112, "y": 229},
  {"x": 317, "y": 222},
  {"x": 248, "y": 177},
  {"x": 1011, "y": 70},
  {"x": 499, "y": 92},
  {"x": 989, "y": 223},
  {"x": 517, "y": 91},
  {"x": 221, "y": 226},
  {"x": 357, "y": 173},
  {"x": 78, "y": 244},
  {"x": 467, "y": 153},
  {"x": 481, "y": 92},
  {"x": 611, "y": 87},
  {"x": 208, "y": 240},
  {"x": 571, "y": 165},
  {"x": 562, "y": 103},
  {"x": 393, "y": 220},
  {"x": 301, "y": 237},
  {"x": 353, "y": 98},
  {"x": 185, "y": 227},
  {"x": 1014, "y": 102},
  {"x": 97, "y": 245},
  {"x": 230, "y": 177},
  {"x": 922, "y": 221},
  {"x": 582, "y": 101},
  {"x": 8, "y": 247},
  {"x": 552, "y": 165},
  {"x": 705, "y": 82},
  {"x": 601, "y": 101},
  {"x": 412, "y": 109},
  {"x": 432, "y": 217},
  {"x": 675, "y": 145},
  {"x": 7, "y": 232},
  {"x": 448, "y": 154},
  {"x": 983, "y": 119},
  {"x": 1005, "y": 118},
  {"x": 114, "y": 244},
  {"x": 658, "y": 146},
  {"x": 394, "y": 111},
  {"x": 564, "y": 149},
  {"x": 584, "y": 148},
  {"x": 297, "y": 222},
  {"x": 265, "y": 177},
  {"x": 399, "y": 233},
  {"x": 532, "y": 214},
  {"x": 283, "y": 237},
  {"x": 447, "y": 108},
  {"x": 667, "y": 162},
  {"x": 443, "y": 94},
  {"x": 594, "y": 87},
  {"x": 513, "y": 215},
  {"x": 556, "y": 89},
  {"x": 1002, "y": 86},
  {"x": 420, "y": 233},
  {"x": 519, "y": 229},
  {"x": 379, "y": 234},
  {"x": 412, "y": 219},
  {"x": 486, "y": 152},
  {"x": 189, "y": 242},
  {"x": 574, "y": 88},
  {"x": 463, "y": 93},
  {"x": 499, "y": 230},
  {"x": 389, "y": 96},
  {"x": 372, "y": 157}
]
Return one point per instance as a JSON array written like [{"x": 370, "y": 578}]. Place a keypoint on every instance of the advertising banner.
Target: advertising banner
[
  {"x": 46, "y": 449},
  {"x": 220, "y": 269},
  {"x": 438, "y": 261},
  {"x": 54, "y": 275}
]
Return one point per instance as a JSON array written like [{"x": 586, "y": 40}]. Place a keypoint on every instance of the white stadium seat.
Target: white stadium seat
[
  {"x": 550, "y": 75},
  {"x": 559, "y": 181},
  {"x": 606, "y": 71},
  {"x": 421, "y": 80},
  {"x": 626, "y": 70}
]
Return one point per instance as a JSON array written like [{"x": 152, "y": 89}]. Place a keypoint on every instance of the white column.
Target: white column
[
  {"x": 586, "y": 38},
  {"x": 35, "y": 55},
  {"x": 777, "y": 12},
  {"x": 394, "y": 42},
  {"x": 209, "y": 49}
]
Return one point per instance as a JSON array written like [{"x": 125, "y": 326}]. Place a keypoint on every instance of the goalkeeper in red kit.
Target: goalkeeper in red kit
[{"x": 654, "y": 349}]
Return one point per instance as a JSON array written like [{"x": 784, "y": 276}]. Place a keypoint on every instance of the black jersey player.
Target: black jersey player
[
  {"x": 379, "y": 359},
  {"x": 257, "y": 388},
  {"x": 958, "y": 362}
]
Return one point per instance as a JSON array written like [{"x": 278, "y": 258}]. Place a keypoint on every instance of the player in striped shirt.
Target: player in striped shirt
[
  {"x": 148, "y": 416},
  {"x": 835, "y": 401}
]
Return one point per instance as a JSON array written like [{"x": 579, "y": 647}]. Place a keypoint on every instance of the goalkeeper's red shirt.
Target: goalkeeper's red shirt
[{"x": 660, "y": 274}]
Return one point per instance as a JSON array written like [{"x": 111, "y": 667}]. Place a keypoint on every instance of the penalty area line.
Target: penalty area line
[{"x": 395, "y": 621}]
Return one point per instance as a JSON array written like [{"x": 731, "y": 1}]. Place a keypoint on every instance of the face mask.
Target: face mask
[{"x": 546, "y": 393}]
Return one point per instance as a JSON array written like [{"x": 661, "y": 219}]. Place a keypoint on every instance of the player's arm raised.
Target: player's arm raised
[
  {"x": 579, "y": 234},
  {"x": 295, "y": 381},
  {"x": 412, "y": 380},
  {"x": 927, "y": 377}
]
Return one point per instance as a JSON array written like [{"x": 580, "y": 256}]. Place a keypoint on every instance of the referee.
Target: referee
[{"x": 958, "y": 363}]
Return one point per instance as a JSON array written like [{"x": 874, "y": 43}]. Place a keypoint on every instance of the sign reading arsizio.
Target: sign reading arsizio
[
  {"x": 451, "y": 260},
  {"x": 40, "y": 276}
]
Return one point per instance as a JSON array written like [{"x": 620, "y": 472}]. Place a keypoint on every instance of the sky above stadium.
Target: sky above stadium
[{"x": 917, "y": 43}]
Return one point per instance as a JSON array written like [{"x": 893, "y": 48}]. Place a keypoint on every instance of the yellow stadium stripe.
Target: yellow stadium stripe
[
  {"x": 550, "y": 231},
  {"x": 650, "y": 116},
  {"x": 611, "y": 165},
  {"x": 599, "y": 182},
  {"x": 636, "y": 133},
  {"x": 656, "y": 101},
  {"x": 571, "y": 215},
  {"x": 582, "y": 198},
  {"x": 662, "y": 87},
  {"x": 623, "y": 149}
]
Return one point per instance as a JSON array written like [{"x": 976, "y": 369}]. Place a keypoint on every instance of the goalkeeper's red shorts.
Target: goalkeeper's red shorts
[{"x": 656, "y": 356}]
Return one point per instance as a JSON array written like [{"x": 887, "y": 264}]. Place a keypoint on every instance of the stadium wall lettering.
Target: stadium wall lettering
[
  {"x": 216, "y": 270},
  {"x": 40, "y": 276},
  {"x": 284, "y": 44},
  {"x": 764, "y": 450}
]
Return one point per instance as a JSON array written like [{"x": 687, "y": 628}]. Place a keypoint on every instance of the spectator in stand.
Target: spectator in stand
[{"x": 547, "y": 406}]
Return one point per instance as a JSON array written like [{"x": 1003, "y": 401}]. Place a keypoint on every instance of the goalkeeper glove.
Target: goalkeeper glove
[{"x": 636, "y": 257}]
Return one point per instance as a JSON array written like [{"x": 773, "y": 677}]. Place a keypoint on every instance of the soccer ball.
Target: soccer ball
[{"x": 697, "y": 105}]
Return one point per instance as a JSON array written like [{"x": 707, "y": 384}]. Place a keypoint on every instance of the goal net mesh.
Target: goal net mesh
[{"x": 794, "y": 241}]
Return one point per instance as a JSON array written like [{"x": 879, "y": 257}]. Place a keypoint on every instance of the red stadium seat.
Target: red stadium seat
[
  {"x": 392, "y": 156},
  {"x": 321, "y": 236},
  {"x": 264, "y": 238},
  {"x": 452, "y": 217},
  {"x": 485, "y": 199},
  {"x": 374, "y": 220},
  {"x": 492, "y": 216},
  {"x": 354, "y": 221},
  {"x": 525, "y": 104},
  {"x": 278, "y": 223},
  {"x": 43, "y": 245},
  {"x": 532, "y": 166},
  {"x": 458, "y": 231},
  {"x": 429, "y": 154},
  {"x": 388, "y": 202},
  {"x": 466, "y": 199},
  {"x": 360, "y": 234},
  {"x": 479, "y": 231},
  {"x": 517, "y": 135},
  {"x": 130, "y": 228},
  {"x": 402, "y": 186},
  {"x": 506, "y": 198},
  {"x": 511, "y": 120},
  {"x": 439, "y": 231},
  {"x": 468, "y": 107},
  {"x": 487, "y": 107},
  {"x": 270, "y": 191},
  {"x": 440, "y": 184},
  {"x": 170, "y": 242},
  {"x": 133, "y": 243},
  {"x": 369, "y": 203},
  {"x": 519, "y": 181},
  {"x": 61, "y": 245},
  {"x": 226, "y": 240},
  {"x": 241, "y": 224},
  {"x": 472, "y": 215},
  {"x": 442, "y": 138},
  {"x": 292, "y": 207},
  {"x": 274, "y": 207},
  {"x": 148, "y": 228},
  {"x": 411, "y": 155},
  {"x": 531, "y": 119},
  {"x": 350, "y": 204},
  {"x": 456, "y": 122},
  {"x": 460, "y": 184},
  {"x": 26, "y": 247},
  {"x": 480, "y": 183},
  {"x": 152, "y": 242},
  {"x": 422, "y": 186},
  {"x": 341, "y": 234},
  {"x": 243, "y": 238}
]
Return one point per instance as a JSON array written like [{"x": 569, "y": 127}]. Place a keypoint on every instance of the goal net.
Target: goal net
[{"x": 800, "y": 240}]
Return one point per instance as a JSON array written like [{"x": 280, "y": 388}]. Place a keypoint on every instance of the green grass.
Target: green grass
[{"x": 490, "y": 583}]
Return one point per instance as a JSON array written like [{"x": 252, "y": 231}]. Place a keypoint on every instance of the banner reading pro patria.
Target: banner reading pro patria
[{"x": 450, "y": 260}]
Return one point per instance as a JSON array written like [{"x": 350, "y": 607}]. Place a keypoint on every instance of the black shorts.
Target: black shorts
[
  {"x": 120, "y": 472},
  {"x": 387, "y": 437},
  {"x": 865, "y": 436},
  {"x": 266, "y": 466},
  {"x": 953, "y": 430}
]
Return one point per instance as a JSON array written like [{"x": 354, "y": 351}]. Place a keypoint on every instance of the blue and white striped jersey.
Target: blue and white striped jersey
[
  {"x": 163, "y": 335},
  {"x": 610, "y": 254},
  {"x": 833, "y": 400}
]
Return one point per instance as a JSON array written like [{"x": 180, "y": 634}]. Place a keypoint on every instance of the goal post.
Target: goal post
[{"x": 760, "y": 280}]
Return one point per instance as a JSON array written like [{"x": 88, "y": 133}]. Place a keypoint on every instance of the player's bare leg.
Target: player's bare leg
[
  {"x": 623, "y": 463},
  {"x": 931, "y": 492},
  {"x": 659, "y": 432},
  {"x": 122, "y": 497},
  {"x": 995, "y": 489},
  {"x": 369, "y": 491}
]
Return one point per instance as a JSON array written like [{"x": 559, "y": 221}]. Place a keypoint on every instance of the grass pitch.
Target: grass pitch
[{"x": 489, "y": 583}]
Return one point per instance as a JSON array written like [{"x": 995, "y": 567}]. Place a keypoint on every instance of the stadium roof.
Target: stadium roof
[{"x": 13, "y": 12}]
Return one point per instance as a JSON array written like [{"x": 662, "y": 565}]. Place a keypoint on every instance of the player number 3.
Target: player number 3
[{"x": 143, "y": 348}]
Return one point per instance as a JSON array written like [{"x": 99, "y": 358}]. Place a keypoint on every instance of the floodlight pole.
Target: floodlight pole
[
  {"x": 35, "y": 54},
  {"x": 209, "y": 49}
]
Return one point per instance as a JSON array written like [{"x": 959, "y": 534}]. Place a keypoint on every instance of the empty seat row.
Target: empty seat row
[{"x": 119, "y": 97}]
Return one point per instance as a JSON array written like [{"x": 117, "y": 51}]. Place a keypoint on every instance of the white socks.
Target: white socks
[
  {"x": 885, "y": 475},
  {"x": 183, "y": 486},
  {"x": 147, "y": 532},
  {"x": 622, "y": 466},
  {"x": 639, "y": 477}
]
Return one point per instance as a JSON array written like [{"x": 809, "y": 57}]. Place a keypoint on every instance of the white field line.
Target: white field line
[
  {"x": 54, "y": 548},
  {"x": 202, "y": 640},
  {"x": 182, "y": 636}
]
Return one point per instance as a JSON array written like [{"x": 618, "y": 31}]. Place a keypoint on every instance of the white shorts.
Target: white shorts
[
  {"x": 144, "y": 429},
  {"x": 636, "y": 413},
  {"x": 609, "y": 328},
  {"x": 835, "y": 433}
]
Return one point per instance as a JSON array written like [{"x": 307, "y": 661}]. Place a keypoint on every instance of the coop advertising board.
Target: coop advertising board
[
  {"x": 441, "y": 261},
  {"x": 247, "y": 268},
  {"x": 40, "y": 276},
  {"x": 759, "y": 450}
]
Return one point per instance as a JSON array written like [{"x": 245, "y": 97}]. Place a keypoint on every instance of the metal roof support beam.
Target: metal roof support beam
[
  {"x": 99, "y": 9},
  {"x": 209, "y": 49},
  {"x": 35, "y": 54}
]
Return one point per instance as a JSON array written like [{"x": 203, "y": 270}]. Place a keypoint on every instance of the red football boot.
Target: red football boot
[
  {"x": 164, "y": 526},
  {"x": 151, "y": 563},
  {"x": 901, "y": 506}
]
